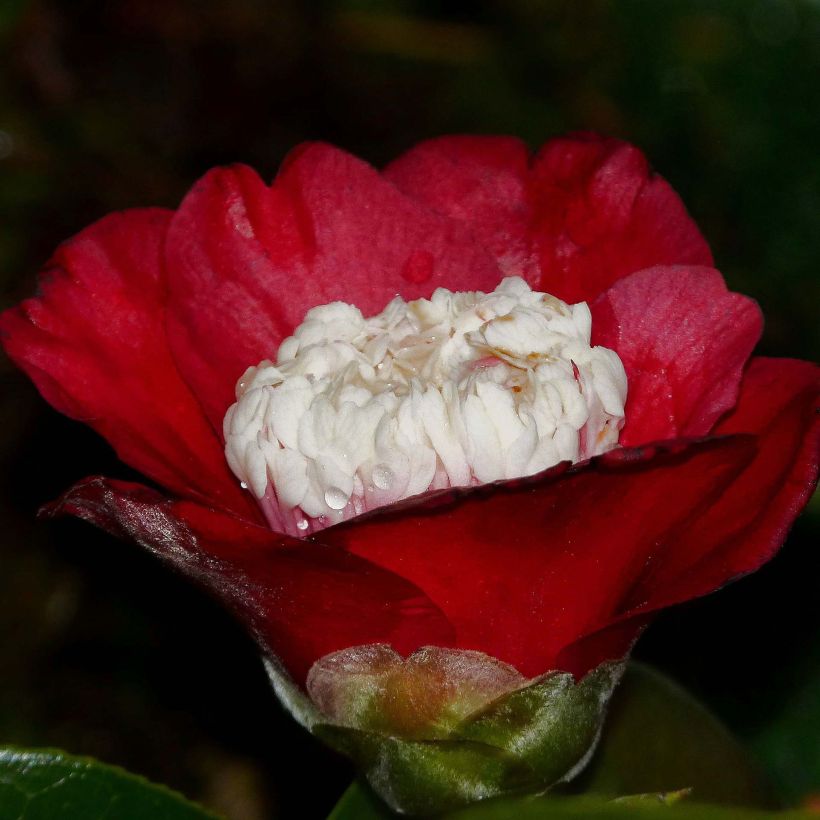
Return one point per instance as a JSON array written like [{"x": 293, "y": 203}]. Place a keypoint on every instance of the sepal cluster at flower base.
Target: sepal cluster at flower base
[
  {"x": 444, "y": 728},
  {"x": 146, "y": 320}
]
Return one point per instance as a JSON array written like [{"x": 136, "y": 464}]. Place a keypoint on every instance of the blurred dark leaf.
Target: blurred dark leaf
[
  {"x": 48, "y": 784},
  {"x": 358, "y": 804},
  {"x": 9, "y": 12},
  {"x": 657, "y": 738},
  {"x": 545, "y": 808},
  {"x": 788, "y": 742}
]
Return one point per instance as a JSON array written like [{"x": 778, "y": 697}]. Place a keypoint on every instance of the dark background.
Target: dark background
[{"x": 124, "y": 103}]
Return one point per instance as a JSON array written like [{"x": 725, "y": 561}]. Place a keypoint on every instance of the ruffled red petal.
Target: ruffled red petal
[
  {"x": 523, "y": 569},
  {"x": 584, "y": 213},
  {"x": 246, "y": 261},
  {"x": 480, "y": 181},
  {"x": 684, "y": 340},
  {"x": 93, "y": 341},
  {"x": 779, "y": 403},
  {"x": 600, "y": 214},
  {"x": 300, "y": 600}
]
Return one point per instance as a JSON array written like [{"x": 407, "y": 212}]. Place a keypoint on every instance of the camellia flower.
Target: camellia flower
[{"x": 445, "y": 436}]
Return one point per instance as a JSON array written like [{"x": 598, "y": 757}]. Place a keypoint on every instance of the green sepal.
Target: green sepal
[
  {"x": 526, "y": 741},
  {"x": 552, "y": 725},
  {"x": 419, "y": 777}
]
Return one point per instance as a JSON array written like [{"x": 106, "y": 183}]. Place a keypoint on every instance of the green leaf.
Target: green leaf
[
  {"x": 786, "y": 740},
  {"x": 43, "y": 784},
  {"x": 359, "y": 803},
  {"x": 589, "y": 808},
  {"x": 654, "y": 798},
  {"x": 657, "y": 738}
]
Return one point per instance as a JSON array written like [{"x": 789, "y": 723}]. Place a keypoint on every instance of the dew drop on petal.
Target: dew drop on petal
[
  {"x": 335, "y": 498},
  {"x": 419, "y": 267},
  {"x": 382, "y": 476}
]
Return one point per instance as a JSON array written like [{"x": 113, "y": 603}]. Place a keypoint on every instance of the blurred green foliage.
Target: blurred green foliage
[
  {"x": 107, "y": 105},
  {"x": 45, "y": 784}
]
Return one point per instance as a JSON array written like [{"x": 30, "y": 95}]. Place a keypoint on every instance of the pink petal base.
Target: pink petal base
[{"x": 292, "y": 521}]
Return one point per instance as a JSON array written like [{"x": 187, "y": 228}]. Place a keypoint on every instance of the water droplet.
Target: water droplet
[
  {"x": 382, "y": 476},
  {"x": 419, "y": 267},
  {"x": 335, "y": 498},
  {"x": 302, "y": 524}
]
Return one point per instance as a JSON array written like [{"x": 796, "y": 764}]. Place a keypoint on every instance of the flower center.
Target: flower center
[{"x": 459, "y": 389}]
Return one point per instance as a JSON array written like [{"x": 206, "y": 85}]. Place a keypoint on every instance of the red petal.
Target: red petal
[
  {"x": 586, "y": 212},
  {"x": 525, "y": 568},
  {"x": 614, "y": 641},
  {"x": 780, "y": 402},
  {"x": 480, "y": 181},
  {"x": 684, "y": 340},
  {"x": 601, "y": 214},
  {"x": 300, "y": 600},
  {"x": 94, "y": 343},
  {"x": 246, "y": 261}
]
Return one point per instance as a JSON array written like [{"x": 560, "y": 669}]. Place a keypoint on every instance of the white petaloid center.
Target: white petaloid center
[{"x": 455, "y": 390}]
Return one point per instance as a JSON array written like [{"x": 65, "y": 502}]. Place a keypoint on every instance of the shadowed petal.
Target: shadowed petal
[
  {"x": 300, "y": 600},
  {"x": 747, "y": 523},
  {"x": 524, "y": 568},
  {"x": 780, "y": 403}
]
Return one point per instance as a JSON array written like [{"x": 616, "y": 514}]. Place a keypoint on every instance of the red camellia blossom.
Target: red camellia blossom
[{"x": 145, "y": 320}]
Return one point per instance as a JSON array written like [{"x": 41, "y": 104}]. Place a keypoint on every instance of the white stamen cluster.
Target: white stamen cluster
[{"x": 459, "y": 389}]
